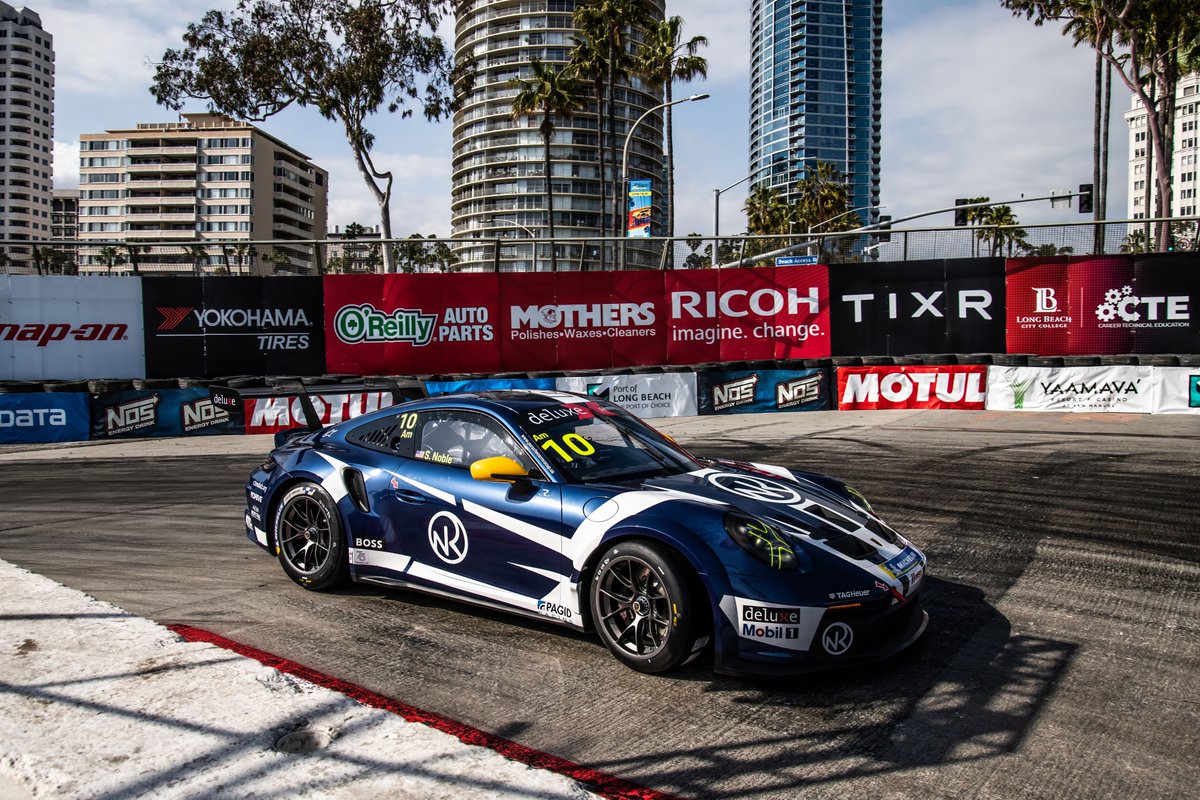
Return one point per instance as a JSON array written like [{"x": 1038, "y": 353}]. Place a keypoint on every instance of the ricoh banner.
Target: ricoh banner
[
  {"x": 423, "y": 324},
  {"x": 942, "y": 306},
  {"x": 60, "y": 327},
  {"x": 212, "y": 326},
  {"x": 1099, "y": 305},
  {"x": 1121, "y": 388},
  {"x": 765, "y": 390},
  {"x": 961, "y": 387},
  {"x": 670, "y": 395}
]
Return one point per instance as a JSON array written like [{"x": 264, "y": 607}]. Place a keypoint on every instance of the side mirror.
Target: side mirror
[{"x": 500, "y": 469}]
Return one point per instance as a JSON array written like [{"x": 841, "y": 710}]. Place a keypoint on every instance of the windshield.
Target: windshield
[{"x": 595, "y": 440}]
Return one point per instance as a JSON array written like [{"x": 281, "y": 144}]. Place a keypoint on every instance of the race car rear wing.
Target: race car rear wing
[{"x": 231, "y": 398}]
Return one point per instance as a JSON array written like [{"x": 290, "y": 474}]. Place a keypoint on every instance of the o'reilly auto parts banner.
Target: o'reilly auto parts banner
[
  {"x": 59, "y": 327},
  {"x": 756, "y": 391},
  {"x": 939, "y": 306},
  {"x": 669, "y": 395},
  {"x": 962, "y": 387},
  {"x": 43, "y": 417},
  {"x": 1104, "y": 304},
  {"x": 1122, "y": 388},
  {"x": 233, "y": 325}
]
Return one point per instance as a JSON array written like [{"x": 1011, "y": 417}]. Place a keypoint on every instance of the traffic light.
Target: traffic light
[
  {"x": 1085, "y": 198},
  {"x": 960, "y": 214},
  {"x": 884, "y": 232}
]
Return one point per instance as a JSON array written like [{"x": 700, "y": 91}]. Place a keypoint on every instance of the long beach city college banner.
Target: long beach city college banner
[
  {"x": 60, "y": 327},
  {"x": 233, "y": 326},
  {"x": 765, "y": 390},
  {"x": 961, "y": 387},
  {"x": 1118, "y": 388},
  {"x": 1104, "y": 304},
  {"x": 939, "y": 306}
]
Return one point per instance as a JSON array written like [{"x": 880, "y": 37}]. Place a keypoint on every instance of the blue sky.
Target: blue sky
[{"x": 975, "y": 102}]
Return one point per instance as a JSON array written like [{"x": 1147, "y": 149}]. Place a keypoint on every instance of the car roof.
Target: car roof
[{"x": 504, "y": 403}]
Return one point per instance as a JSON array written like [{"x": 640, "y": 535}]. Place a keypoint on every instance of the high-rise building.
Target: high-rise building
[
  {"x": 499, "y": 189},
  {"x": 815, "y": 86},
  {"x": 26, "y": 129},
  {"x": 206, "y": 178},
  {"x": 1185, "y": 167}
]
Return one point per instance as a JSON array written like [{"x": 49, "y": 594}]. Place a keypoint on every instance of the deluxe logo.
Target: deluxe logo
[
  {"x": 366, "y": 324},
  {"x": 202, "y": 413},
  {"x": 902, "y": 387},
  {"x": 771, "y": 616},
  {"x": 234, "y": 317},
  {"x": 33, "y": 418},
  {"x": 1125, "y": 304},
  {"x": 734, "y": 393},
  {"x": 42, "y": 333},
  {"x": 596, "y": 315},
  {"x": 131, "y": 415},
  {"x": 798, "y": 392},
  {"x": 742, "y": 303}
]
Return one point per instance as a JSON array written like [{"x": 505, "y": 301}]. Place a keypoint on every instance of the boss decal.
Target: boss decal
[
  {"x": 754, "y": 487},
  {"x": 448, "y": 537}
]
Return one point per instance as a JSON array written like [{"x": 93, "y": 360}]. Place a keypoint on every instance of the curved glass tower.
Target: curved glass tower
[
  {"x": 499, "y": 189},
  {"x": 815, "y": 86}
]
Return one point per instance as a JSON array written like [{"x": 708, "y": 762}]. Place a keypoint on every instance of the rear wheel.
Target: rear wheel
[
  {"x": 641, "y": 607},
  {"x": 308, "y": 535}
]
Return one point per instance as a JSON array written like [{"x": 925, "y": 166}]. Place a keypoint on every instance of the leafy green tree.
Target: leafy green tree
[
  {"x": 1048, "y": 250},
  {"x": 346, "y": 58},
  {"x": 767, "y": 212},
  {"x": 280, "y": 260},
  {"x": 198, "y": 253},
  {"x": 111, "y": 257},
  {"x": 588, "y": 62},
  {"x": 696, "y": 259},
  {"x": 998, "y": 228},
  {"x": 551, "y": 93},
  {"x": 663, "y": 59}
]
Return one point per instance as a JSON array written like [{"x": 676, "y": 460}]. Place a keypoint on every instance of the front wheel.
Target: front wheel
[
  {"x": 641, "y": 607},
  {"x": 308, "y": 536}
]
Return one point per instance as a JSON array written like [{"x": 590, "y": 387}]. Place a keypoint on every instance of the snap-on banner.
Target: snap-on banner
[
  {"x": 159, "y": 412},
  {"x": 1092, "y": 305},
  {"x": 936, "y": 306},
  {"x": 669, "y": 395},
  {"x": 43, "y": 417},
  {"x": 63, "y": 327},
  {"x": 764, "y": 390},
  {"x": 1117, "y": 388},
  {"x": 274, "y": 414},
  {"x": 226, "y": 325},
  {"x": 962, "y": 387},
  {"x": 750, "y": 314}
]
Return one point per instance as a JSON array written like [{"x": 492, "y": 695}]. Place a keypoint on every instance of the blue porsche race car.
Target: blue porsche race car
[{"x": 568, "y": 509}]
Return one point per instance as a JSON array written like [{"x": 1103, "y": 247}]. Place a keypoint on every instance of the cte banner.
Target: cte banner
[
  {"x": 961, "y": 387},
  {"x": 1104, "y": 304},
  {"x": 942, "y": 306},
  {"x": 233, "y": 326}
]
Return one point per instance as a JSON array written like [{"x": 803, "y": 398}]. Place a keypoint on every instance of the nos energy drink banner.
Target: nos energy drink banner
[
  {"x": 43, "y": 417},
  {"x": 749, "y": 392},
  {"x": 216, "y": 326},
  {"x": 1104, "y": 304},
  {"x": 942, "y": 306},
  {"x": 165, "y": 412}
]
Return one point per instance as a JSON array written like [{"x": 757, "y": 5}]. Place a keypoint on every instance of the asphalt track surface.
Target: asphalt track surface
[{"x": 1062, "y": 658}]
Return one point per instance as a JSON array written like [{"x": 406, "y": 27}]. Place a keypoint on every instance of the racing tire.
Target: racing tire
[
  {"x": 642, "y": 609},
  {"x": 309, "y": 539}
]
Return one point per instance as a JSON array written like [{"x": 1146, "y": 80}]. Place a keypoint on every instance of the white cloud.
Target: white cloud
[{"x": 66, "y": 165}]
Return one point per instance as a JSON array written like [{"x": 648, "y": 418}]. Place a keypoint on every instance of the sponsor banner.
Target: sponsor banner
[
  {"x": 488, "y": 385},
  {"x": 669, "y": 395},
  {"x": 765, "y": 390},
  {"x": 215, "y": 326},
  {"x": 1119, "y": 388},
  {"x": 735, "y": 314},
  {"x": 1176, "y": 390},
  {"x": 43, "y": 417},
  {"x": 961, "y": 387},
  {"x": 159, "y": 412},
  {"x": 274, "y": 414},
  {"x": 60, "y": 327},
  {"x": 638, "y": 226},
  {"x": 937, "y": 306},
  {"x": 1104, "y": 304}
]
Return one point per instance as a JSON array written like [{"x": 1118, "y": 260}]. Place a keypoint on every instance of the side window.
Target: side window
[
  {"x": 460, "y": 438},
  {"x": 395, "y": 434}
]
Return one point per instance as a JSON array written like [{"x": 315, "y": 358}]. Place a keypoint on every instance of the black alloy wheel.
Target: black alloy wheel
[{"x": 308, "y": 536}]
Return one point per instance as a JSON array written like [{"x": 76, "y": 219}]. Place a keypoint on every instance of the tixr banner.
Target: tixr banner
[
  {"x": 897, "y": 308},
  {"x": 963, "y": 387},
  {"x": 1104, "y": 304}
]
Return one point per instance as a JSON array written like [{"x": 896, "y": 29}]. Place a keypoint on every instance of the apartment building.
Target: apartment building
[
  {"x": 1184, "y": 170},
  {"x": 191, "y": 195},
  {"x": 26, "y": 129}
]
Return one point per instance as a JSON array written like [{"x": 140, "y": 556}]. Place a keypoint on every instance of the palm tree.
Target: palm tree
[
  {"x": 663, "y": 59},
  {"x": 588, "y": 61},
  {"x": 197, "y": 252},
  {"x": 112, "y": 257},
  {"x": 549, "y": 92},
  {"x": 998, "y": 227},
  {"x": 767, "y": 212}
]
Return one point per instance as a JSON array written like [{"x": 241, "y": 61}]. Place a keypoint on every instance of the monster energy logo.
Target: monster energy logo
[
  {"x": 365, "y": 323},
  {"x": 1019, "y": 388}
]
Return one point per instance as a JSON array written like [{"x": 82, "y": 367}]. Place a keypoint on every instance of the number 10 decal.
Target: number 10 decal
[{"x": 573, "y": 441}]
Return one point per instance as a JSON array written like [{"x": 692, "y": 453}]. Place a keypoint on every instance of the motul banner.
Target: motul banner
[
  {"x": 59, "y": 327},
  {"x": 1104, "y": 304},
  {"x": 1118, "y": 388},
  {"x": 961, "y": 387},
  {"x": 233, "y": 326},
  {"x": 274, "y": 414},
  {"x": 942, "y": 306}
]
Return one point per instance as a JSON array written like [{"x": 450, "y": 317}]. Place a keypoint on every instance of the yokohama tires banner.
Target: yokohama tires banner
[{"x": 962, "y": 387}]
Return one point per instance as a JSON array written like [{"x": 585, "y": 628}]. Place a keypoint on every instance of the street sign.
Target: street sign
[{"x": 794, "y": 261}]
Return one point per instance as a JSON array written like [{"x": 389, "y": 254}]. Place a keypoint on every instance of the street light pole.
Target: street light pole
[
  {"x": 717, "y": 205},
  {"x": 625, "y": 158}
]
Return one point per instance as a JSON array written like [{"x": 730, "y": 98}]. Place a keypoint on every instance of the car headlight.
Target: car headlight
[{"x": 761, "y": 540}]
